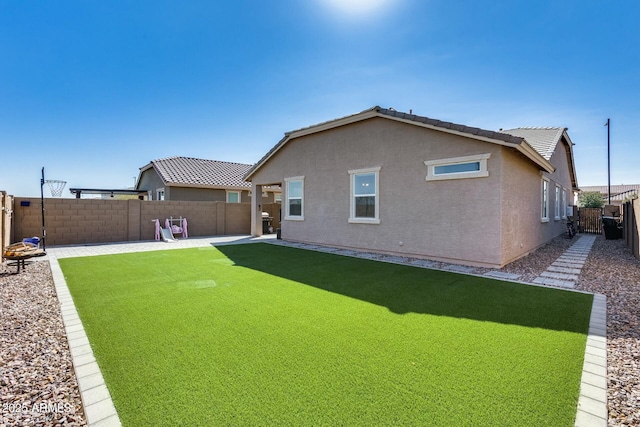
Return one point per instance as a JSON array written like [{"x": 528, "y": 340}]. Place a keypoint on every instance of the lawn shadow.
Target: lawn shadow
[{"x": 407, "y": 289}]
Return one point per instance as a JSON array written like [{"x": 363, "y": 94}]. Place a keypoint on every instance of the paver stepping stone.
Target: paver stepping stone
[
  {"x": 558, "y": 269},
  {"x": 567, "y": 264},
  {"x": 367, "y": 255},
  {"x": 423, "y": 263},
  {"x": 502, "y": 275},
  {"x": 561, "y": 276},
  {"x": 395, "y": 259},
  {"x": 459, "y": 268},
  {"x": 554, "y": 282}
]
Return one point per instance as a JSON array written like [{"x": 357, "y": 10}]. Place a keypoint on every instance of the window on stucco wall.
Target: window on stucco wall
[
  {"x": 556, "y": 205},
  {"x": 233, "y": 197},
  {"x": 365, "y": 200},
  {"x": 474, "y": 166},
  {"x": 544, "y": 215},
  {"x": 294, "y": 209}
]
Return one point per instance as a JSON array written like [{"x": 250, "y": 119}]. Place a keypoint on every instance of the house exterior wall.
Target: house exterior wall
[
  {"x": 196, "y": 194},
  {"x": 523, "y": 229},
  {"x": 151, "y": 181},
  {"x": 455, "y": 220}
]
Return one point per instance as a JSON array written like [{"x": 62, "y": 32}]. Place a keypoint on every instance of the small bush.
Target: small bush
[{"x": 590, "y": 199}]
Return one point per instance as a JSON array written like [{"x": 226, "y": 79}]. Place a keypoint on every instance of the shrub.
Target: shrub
[{"x": 590, "y": 199}]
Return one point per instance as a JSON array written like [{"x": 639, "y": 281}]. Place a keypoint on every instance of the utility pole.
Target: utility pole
[{"x": 608, "y": 125}]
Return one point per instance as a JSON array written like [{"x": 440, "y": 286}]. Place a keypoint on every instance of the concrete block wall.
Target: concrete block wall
[{"x": 86, "y": 221}]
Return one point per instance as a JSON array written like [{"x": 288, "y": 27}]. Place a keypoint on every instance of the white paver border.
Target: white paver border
[
  {"x": 96, "y": 400},
  {"x": 592, "y": 403}
]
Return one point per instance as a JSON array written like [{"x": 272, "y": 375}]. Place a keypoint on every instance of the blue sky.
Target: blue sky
[{"x": 92, "y": 91}]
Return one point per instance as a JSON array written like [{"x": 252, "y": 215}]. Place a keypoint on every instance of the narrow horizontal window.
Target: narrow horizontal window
[
  {"x": 474, "y": 166},
  {"x": 457, "y": 168}
]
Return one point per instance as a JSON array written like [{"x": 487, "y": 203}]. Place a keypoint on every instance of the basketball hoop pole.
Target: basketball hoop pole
[{"x": 44, "y": 231}]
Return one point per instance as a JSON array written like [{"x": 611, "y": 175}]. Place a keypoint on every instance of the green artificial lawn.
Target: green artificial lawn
[{"x": 266, "y": 335}]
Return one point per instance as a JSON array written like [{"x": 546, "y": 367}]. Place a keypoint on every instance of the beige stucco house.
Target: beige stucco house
[
  {"x": 402, "y": 184},
  {"x": 192, "y": 179}
]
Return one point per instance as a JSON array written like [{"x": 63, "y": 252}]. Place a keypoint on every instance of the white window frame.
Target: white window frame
[
  {"x": 352, "y": 197},
  {"x": 544, "y": 200},
  {"x": 160, "y": 194},
  {"x": 277, "y": 197},
  {"x": 287, "y": 215},
  {"x": 476, "y": 158},
  {"x": 564, "y": 203},
  {"x": 556, "y": 206},
  {"x": 229, "y": 192}
]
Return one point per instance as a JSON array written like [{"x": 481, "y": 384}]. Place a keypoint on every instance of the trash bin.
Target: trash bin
[
  {"x": 612, "y": 231},
  {"x": 278, "y": 233}
]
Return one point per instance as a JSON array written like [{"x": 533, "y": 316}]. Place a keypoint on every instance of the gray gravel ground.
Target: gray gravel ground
[{"x": 38, "y": 386}]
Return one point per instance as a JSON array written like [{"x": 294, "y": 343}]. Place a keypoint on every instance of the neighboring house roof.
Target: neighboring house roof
[
  {"x": 618, "y": 192},
  {"x": 502, "y": 138},
  {"x": 180, "y": 171}
]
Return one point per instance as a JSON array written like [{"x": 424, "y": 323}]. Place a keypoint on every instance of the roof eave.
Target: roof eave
[
  {"x": 528, "y": 151},
  {"x": 574, "y": 177},
  {"x": 516, "y": 142},
  {"x": 522, "y": 146},
  {"x": 207, "y": 186}
]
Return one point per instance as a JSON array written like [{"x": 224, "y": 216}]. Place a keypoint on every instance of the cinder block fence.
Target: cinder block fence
[{"x": 86, "y": 221}]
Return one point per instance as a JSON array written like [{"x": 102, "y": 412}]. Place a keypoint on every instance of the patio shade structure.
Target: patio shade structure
[{"x": 109, "y": 192}]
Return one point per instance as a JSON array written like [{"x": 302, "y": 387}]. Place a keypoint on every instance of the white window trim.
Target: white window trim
[
  {"x": 158, "y": 191},
  {"x": 286, "y": 190},
  {"x": 352, "y": 200},
  {"x": 556, "y": 206},
  {"x": 482, "y": 173},
  {"x": 544, "y": 201},
  {"x": 564, "y": 203},
  {"x": 236, "y": 192}
]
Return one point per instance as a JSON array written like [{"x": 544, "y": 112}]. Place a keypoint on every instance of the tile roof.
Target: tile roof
[
  {"x": 618, "y": 192},
  {"x": 501, "y": 136},
  {"x": 538, "y": 151},
  {"x": 189, "y": 171},
  {"x": 543, "y": 139}
]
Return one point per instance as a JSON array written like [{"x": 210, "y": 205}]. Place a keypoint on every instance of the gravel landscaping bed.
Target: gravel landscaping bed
[
  {"x": 612, "y": 270},
  {"x": 38, "y": 385}
]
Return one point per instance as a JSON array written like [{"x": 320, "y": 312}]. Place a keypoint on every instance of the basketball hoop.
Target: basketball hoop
[{"x": 56, "y": 186}]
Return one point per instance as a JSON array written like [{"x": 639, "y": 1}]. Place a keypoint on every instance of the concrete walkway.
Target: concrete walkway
[
  {"x": 99, "y": 408},
  {"x": 565, "y": 270}
]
